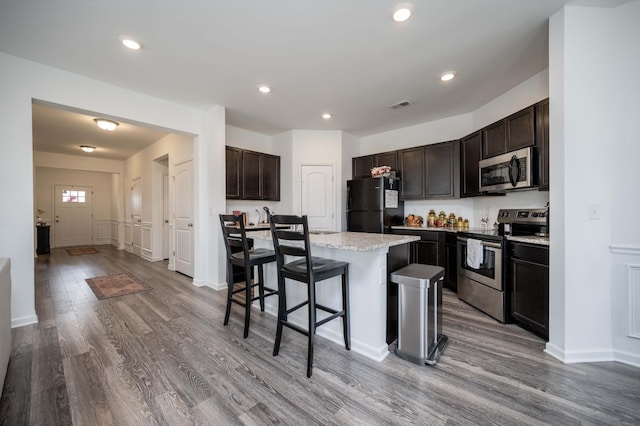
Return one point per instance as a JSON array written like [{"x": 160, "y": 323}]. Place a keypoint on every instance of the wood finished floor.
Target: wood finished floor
[{"x": 163, "y": 357}]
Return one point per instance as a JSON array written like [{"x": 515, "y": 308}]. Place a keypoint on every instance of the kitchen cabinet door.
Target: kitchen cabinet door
[
  {"x": 233, "y": 172},
  {"x": 412, "y": 173},
  {"x": 542, "y": 142},
  {"x": 361, "y": 166},
  {"x": 494, "y": 139},
  {"x": 451, "y": 263},
  {"x": 271, "y": 177},
  {"x": 442, "y": 170},
  {"x": 471, "y": 150},
  {"x": 521, "y": 129},
  {"x": 529, "y": 281},
  {"x": 386, "y": 159},
  {"x": 251, "y": 175}
]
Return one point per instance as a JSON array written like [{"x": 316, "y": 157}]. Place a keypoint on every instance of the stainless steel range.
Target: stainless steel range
[{"x": 482, "y": 260}]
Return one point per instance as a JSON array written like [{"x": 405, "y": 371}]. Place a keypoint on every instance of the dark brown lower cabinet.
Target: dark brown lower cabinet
[
  {"x": 529, "y": 282},
  {"x": 451, "y": 268}
]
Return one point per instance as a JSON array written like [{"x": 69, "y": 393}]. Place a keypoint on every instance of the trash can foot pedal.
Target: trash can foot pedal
[{"x": 437, "y": 351}]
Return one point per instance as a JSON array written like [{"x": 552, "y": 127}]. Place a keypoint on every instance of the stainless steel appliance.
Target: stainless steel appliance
[
  {"x": 513, "y": 170},
  {"x": 373, "y": 205},
  {"x": 484, "y": 287}
]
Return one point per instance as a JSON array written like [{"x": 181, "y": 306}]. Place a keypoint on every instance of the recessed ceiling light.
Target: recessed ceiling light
[
  {"x": 263, "y": 88},
  {"x": 326, "y": 116},
  {"x": 132, "y": 44},
  {"x": 87, "y": 148},
  {"x": 402, "y": 12},
  {"x": 105, "y": 124},
  {"x": 447, "y": 76}
]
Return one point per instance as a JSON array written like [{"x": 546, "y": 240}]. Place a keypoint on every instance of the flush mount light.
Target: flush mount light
[
  {"x": 402, "y": 12},
  {"x": 105, "y": 124},
  {"x": 326, "y": 116},
  {"x": 87, "y": 148},
  {"x": 447, "y": 76},
  {"x": 263, "y": 88},
  {"x": 131, "y": 44}
]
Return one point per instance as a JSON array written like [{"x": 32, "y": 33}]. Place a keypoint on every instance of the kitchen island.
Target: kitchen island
[{"x": 371, "y": 257}]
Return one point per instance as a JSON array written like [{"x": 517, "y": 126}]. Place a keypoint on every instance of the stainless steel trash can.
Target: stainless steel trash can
[{"x": 420, "y": 338}]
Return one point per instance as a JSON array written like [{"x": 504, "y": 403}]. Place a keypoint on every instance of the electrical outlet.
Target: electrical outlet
[{"x": 594, "y": 211}]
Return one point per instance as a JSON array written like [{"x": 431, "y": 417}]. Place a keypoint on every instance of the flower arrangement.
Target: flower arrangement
[{"x": 381, "y": 171}]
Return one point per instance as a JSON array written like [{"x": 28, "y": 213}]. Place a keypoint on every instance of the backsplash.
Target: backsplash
[{"x": 474, "y": 208}]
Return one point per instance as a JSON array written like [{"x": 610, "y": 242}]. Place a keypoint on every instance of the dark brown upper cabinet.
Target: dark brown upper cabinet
[
  {"x": 511, "y": 133},
  {"x": 361, "y": 166},
  {"x": 386, "y": 159},
  {"x": 494, "y": 139},
  {"x": 252, "y": 175},
  {"x": 470, "y": 156},
  {"x": 442, "y": 170},
  {"x": 542, "y": 142},
  {"x": 411, "y": 168},
  {"x": 233, "y": 172}
]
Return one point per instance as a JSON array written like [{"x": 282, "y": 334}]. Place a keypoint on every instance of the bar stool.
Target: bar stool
[
  {"x": 309, "y": 270},
  {"x": 234, "y": 235}
]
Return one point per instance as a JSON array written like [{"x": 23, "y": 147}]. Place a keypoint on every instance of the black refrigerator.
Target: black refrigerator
[{"x": 374, "y": 205}]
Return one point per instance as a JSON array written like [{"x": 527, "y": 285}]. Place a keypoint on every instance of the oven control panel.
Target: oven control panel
[{"x": 533, "y": 216}]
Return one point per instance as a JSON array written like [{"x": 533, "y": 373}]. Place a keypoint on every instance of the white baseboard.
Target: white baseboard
[
  {"x": 214, "y": 286},
  {"x": 22, "y": 321},
  {"x": 573, "y": 357},
  {"x": 627, "y": 358}
]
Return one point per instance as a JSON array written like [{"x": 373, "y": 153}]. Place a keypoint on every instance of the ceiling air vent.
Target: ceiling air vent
[{"x": 400, "y": 104}]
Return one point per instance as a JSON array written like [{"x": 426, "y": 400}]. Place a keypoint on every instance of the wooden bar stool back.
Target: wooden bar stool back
[
  {"x": 240, "y": 254},
  {"x": 310, "y": 270}
]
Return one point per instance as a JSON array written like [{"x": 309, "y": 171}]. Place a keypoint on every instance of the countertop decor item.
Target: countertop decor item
[{"x": 381, "y": 171}]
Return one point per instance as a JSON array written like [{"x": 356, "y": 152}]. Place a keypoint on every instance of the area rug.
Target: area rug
[
  {"x": 81, "y": 250},
  {"x": 116, "y": 285}
]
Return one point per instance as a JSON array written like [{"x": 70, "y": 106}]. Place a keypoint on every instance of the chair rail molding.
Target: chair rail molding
[{"x": 624, "y": 249}]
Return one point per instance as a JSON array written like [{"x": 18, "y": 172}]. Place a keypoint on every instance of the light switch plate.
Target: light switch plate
[{"x": 594, "y": 211}]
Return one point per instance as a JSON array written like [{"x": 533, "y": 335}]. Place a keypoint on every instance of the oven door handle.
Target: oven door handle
[{"x": 484, "y": 243}]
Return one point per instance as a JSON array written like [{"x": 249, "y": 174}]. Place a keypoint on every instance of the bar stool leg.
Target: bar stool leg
[
  {"x": 282, "y": 309},
  {"x": 312, "y": 326},
  {"x": 248, "y": 296},
  {"x": 346, "y": 328},
  {"x": 261, "y": 286},
  {"x": 229, "y": 292}
]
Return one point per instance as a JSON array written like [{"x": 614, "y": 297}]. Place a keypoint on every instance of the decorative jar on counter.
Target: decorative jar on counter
[
  {"x": 432, "y": 219},
  {"x": 460, "y": 223},
  {"x": 452, "y": 220},
  {"x": 442, "y": 219}
]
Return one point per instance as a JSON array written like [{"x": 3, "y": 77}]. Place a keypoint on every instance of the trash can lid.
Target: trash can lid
[{"x": 417, "y": 275}]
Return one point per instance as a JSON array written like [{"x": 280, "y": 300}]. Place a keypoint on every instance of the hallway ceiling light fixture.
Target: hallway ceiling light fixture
[
  {"x": 105, "y": 124},
  {"x": 447, "y": 76},
  {"x": 326, "y": 116},
  {"x": 131, "y": 44},
  {"x": 402, "y": 12},
  {"x": 263, "y": 88},
  {"x": 87, "y": 148}
]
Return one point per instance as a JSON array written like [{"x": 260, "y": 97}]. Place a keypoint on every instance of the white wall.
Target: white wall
[
  {"x": 45, "y": 180},
  {"x": 596, "y": 105},
  {"x": 22, "y": 82}
]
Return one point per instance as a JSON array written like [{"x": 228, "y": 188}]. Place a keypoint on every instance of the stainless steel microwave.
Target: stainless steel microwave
[{"x": 513, "y": 170}]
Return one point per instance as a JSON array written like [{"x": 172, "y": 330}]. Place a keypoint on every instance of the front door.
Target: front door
[
  {"x": 318, "y": 201},
  {"x": 183, "y": 182},
  {"x": 73, "y": 215}
]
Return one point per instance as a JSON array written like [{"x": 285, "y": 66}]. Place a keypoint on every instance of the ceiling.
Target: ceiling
[{"x": 347, "y": 58}]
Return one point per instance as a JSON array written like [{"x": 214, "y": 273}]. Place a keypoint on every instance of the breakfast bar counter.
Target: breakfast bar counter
[{"x": 371, "y": 258}]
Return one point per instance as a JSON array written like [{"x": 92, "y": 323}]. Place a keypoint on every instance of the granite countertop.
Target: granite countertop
[
  {"x": 523, "y": 239},
  {"x": 444, "y": 229},
  {"x": 352, "y": 241}
]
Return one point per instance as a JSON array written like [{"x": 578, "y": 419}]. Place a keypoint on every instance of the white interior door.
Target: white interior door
[
  {"x": 165, "y": 216},
  {"x": 136, "y": 216},
  {"x": 183, "y": 182},
  {"x": 73, "y": 215},
  {"x": 318, "y": 201}
]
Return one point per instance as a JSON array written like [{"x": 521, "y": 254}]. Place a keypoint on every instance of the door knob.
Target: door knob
[{"x": 190, "y": 225}]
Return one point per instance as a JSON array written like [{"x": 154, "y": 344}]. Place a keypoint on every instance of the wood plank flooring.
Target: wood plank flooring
[{"x": 164, "y": 358}]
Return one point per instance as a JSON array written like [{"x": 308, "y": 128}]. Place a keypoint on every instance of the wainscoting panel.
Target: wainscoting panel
[
  {"x": 634, "y": 301},
  {"x": 102, "y": 232},
  {"x": 128, "y": 236},
  {"x": 147, "y": 240}
]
